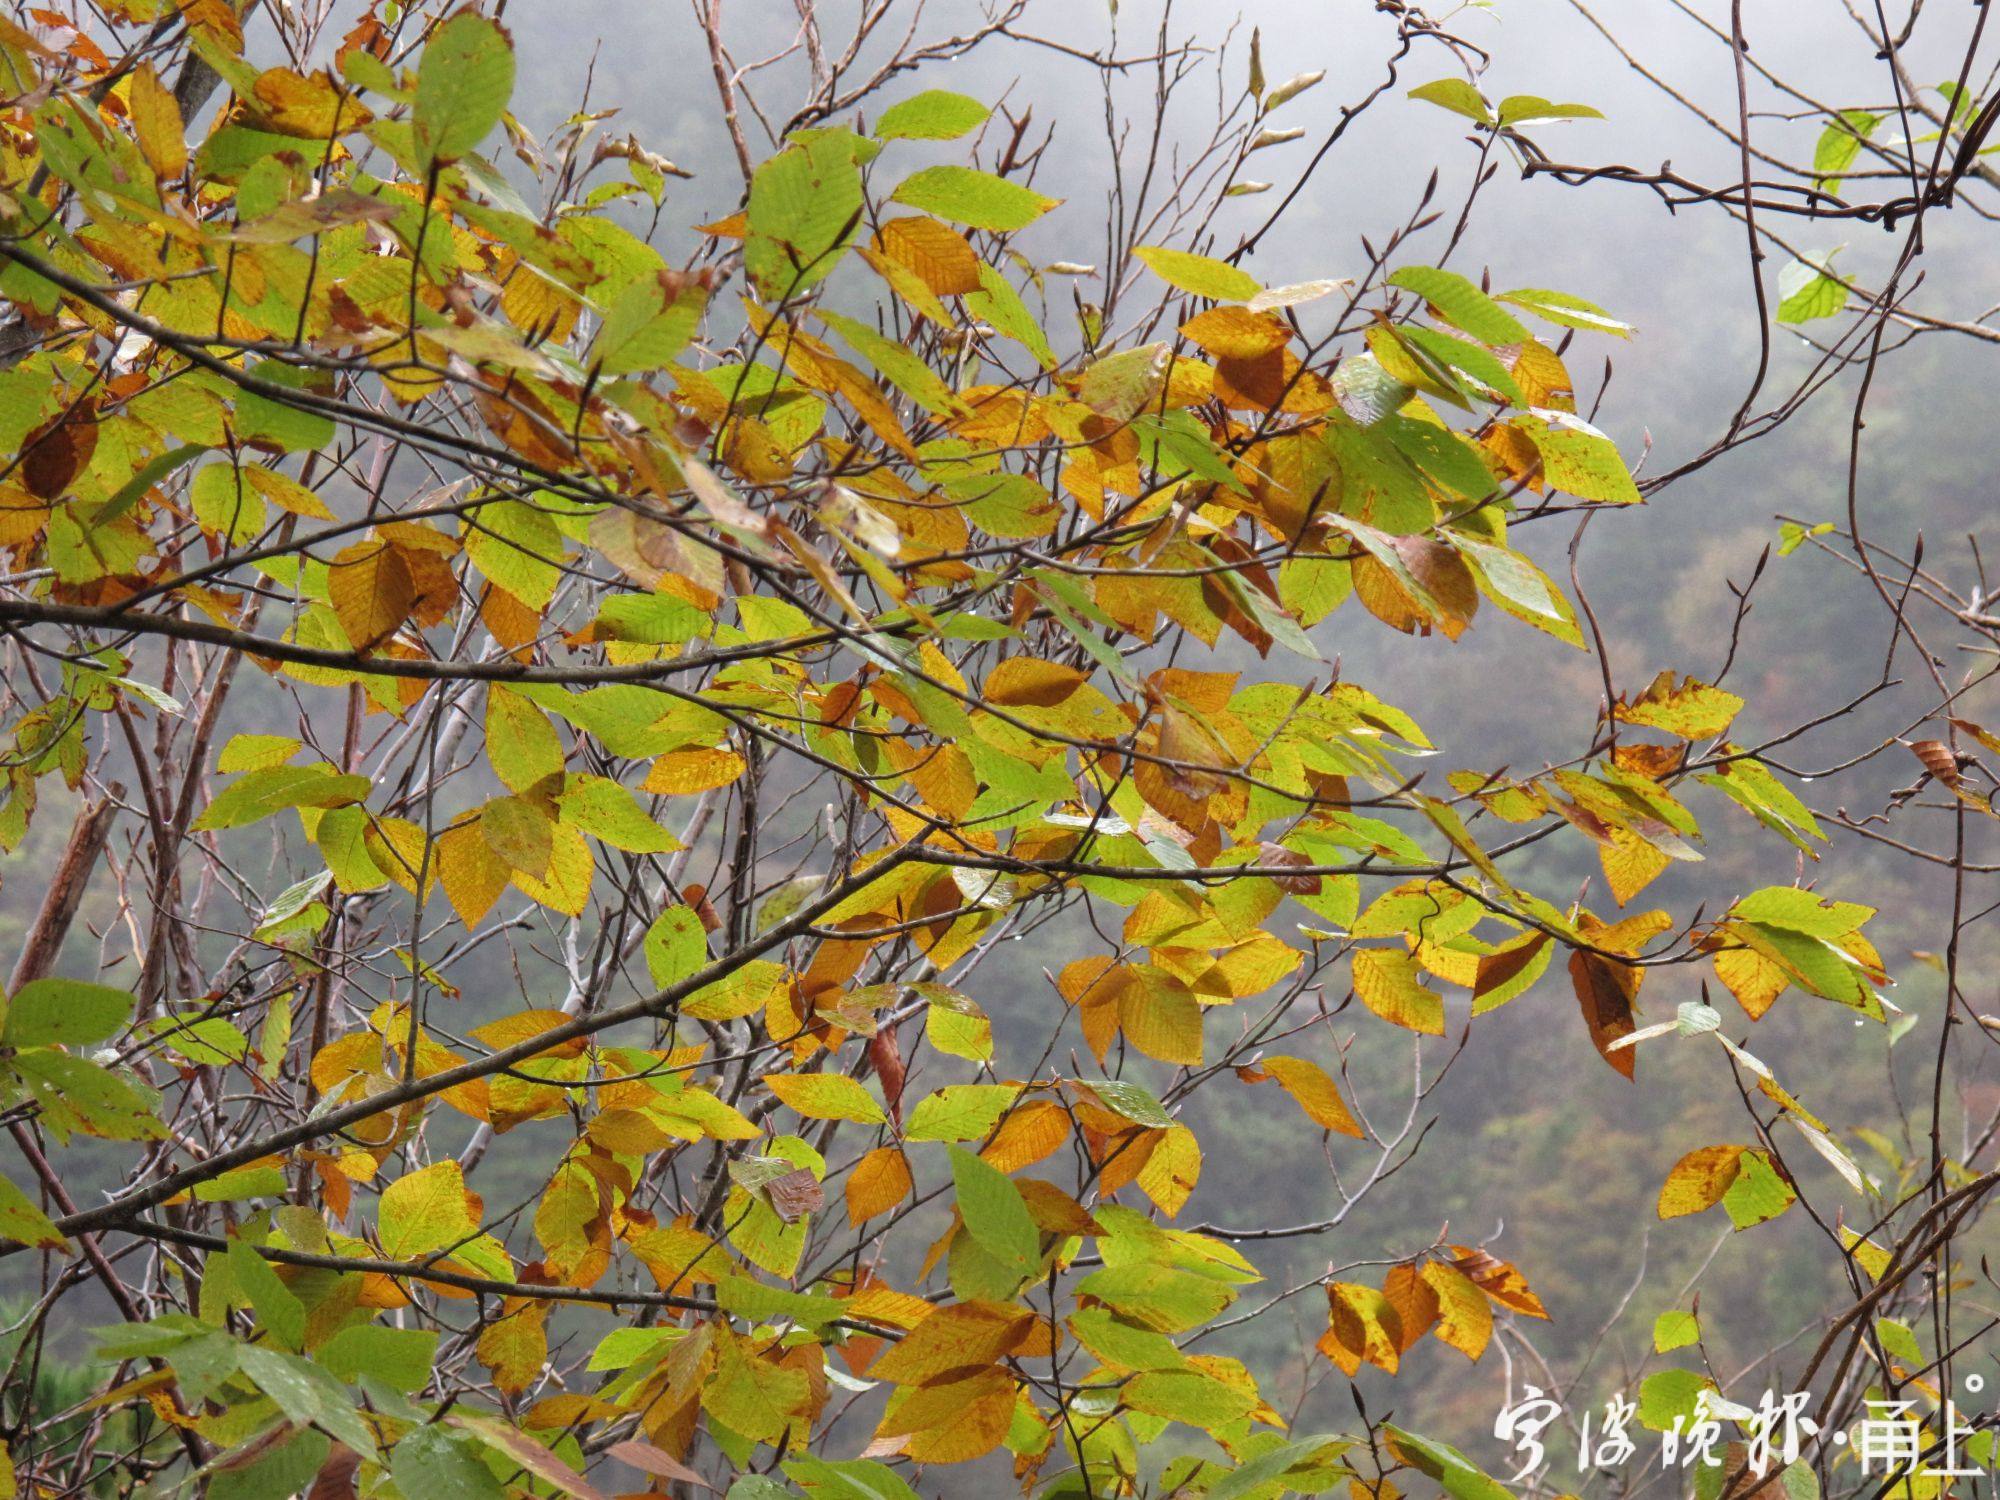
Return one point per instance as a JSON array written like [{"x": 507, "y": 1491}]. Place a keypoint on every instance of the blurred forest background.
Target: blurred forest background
[{"x": 1535, "y": 1134}]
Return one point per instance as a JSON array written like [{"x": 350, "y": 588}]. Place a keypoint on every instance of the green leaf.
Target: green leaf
[
  {"x": 522, "y": 745},
  {"x": 64, "y": 1013},
  {"x": 1461, "y": 303},
  {"x": 1199, "y": 275},
  {"x": 805, "y": 204},
  {"x": 1367, "y": 392},
  {"x": 261, "y": 1468},
  {"x": 77, "y": 1093},
  {"x": 208, "y": 1041},
  {"x": 22, "y": 1220},
  {"x": 1839, "y": 144},
  {"x": 279, "y": 422},
  {"x": 934, "y": 115},
  {"x": 995, "y": 1214},
  {"x": 1565, "y": 311},
  {"x": 1675, "y": 1330},
  {"x": 242, "y": 1182},
  {"x": 438, "y": 1464},
  {"x": 1579, "y": 459},
  {"x": 843, "y": 1479},
  {"x": 611, "y": 814},
  {"x": 675, "y": 945},
  {"x": 1532, "y": 109},
  {"x": 956, "y": 1026},
  {"x": 1460, "y": 1477},
  {"x": 134, "y": 488},
  {"x": 976, "y": 199},
  {"x": 647, "y": 324},
  {"x": 258, "y": 794},
  {"x": 519, "y": 547},
  {"x": 1156, "y": 1296},
  {"x": 1751, "y": 785},
  {"x": 1313, "y": 587},
  {"x": 1667, "y": 1395},
  {"x": 224, "y": 504},
  {"x": 399, "y": 1358},
  {"x": 307, "y": 1394},
  {"x": 424, "y": 1211},
  {"x": 1465, "y": 358},
  {"x": 996, "y": 302},
  {"x": 1758, "y": 1193},
  {"x": 277, "y": 1308},
  {"x": 1134, "y": 1101},
  {"x": 1120, "y": 386},
  {"x": 1806, "y": 293},
  {"x": 1897, "y": 1339},
  {"x": 256, "y": 752},
  {"x": 1520, "y": 586},
  {"x": 1456, "y": 95},
  {"x": 827, "y": 1096},
  {"x": 464, "y": 81},
  {"x": 961, "y": 1111},
  {"x": 1802, "y": 911},
  {"x": 905, "y": 369}
]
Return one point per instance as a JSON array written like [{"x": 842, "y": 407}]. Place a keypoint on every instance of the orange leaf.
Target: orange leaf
[{"x": 1316, "y": 1092}]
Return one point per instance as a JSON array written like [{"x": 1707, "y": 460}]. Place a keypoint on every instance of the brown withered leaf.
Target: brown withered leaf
[
  {"x": 1939, "y": 759},
  {"x": 57, "y": 451},
  {"x": 1449, "y": 596},
  {"x": 336, "y": 1477},
  {"x": 1654, "y": 762},
  {"x": 795, "y": 1195},
  {"x": 1605, "y": 989},
  {"x": 1497, "y": 1279},
  {"x": 1495, "y": 969},
  {"x": 1269, "y": 853},
  {"x": 1443, "y": 573},
  {"x": 655, "y": 1461}
]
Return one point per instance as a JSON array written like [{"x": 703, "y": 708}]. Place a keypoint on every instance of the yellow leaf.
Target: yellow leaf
[
  {"x": 1699, "y": 1179},
  {"x": 1465, "y": 1318},
  {"x": 473, "y": 875},
  {"x": 1630, "y": 863},
  {"x": 1170, "y": 1173},
  {"x": 983, "y": 1410},
  {"x": 826, "y": 1096},
  {"x": 372, "y": 591},
  {"x": 1606, "y": 989},
  {"x": 1497, "y": 1280},
  {"x": 397, "y": 847},
  {"x": 1362, "y": 1325},
  {"x": 1386, "y": 980},
  {"x": 1163, "y": 1021},
  {"x": 682, "y": 772},
  {"x": 426, "y": 1210},
  {"x": 515, "y": 1345},
  {"x": 566, "y": 885},
  {"x": 953, "y": 1342},
  {"x": 1753, "y": 979},
  {"x": 156, "y": 117}
]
